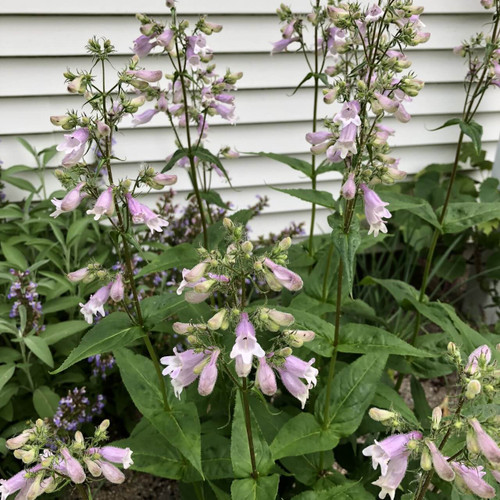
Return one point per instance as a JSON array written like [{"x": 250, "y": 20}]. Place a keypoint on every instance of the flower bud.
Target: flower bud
[
  {"x": 79, "y": 439},
  {"x": 61, "y": 121},
  {"x": 453, "y": 350},
  {"x": 472, "y": 444},
  {"x": 280, "y": 318},
  {"x": 425, "y": 460},
  {"x": 18, "y": 441},
  {"x": 473, "y": 389},
  {"x": 247, "y": 247},
  {"x": 437, "y": 415},
  {"x": 441, "y": 465},
  {"x": 380, "y": 415},
  {"x": 92, "y": 466},
  {"x": 228, "y": 223},
  {"x": 204, "y": 286},
  {"x": 117, "y": 290},
  {"x": 104, "y": 425},
  {"x": 216, "y": 321},
  {"x": 182, "y": 328},
  {"x": 285, "y": 244},
  {"x": 196, "y": 273},
  {"x": 77, "y": 86},
  {"x": 27, "y": 456},
  {"x": 348, "y": 190},
  {"x": 271, "y": 280}
]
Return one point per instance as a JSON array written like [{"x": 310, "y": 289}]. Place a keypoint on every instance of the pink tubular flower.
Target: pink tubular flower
[
  {"x": 386, "y": 103},
  {"x": 482, "y": 353},
  {"x": 165, "y": 179},
  {"x": 282, "y": 44},
  {"x": 246, "y": 345},
  {"x": 401, "y": 114},
  {"x": 144, "y": 117},
  {"x": 486, "y": 443},
  {"x": 348, "y": 190},
  {"x": 180, "y": 367},
  {"x": 110, "y": 472},
  {"x": 142, "y": 214},
  {"x": 12, "y": 485},
  {"x": 290, "y": 280},
  {"x": 295, "y": 386},
  {"x": 349, "y": 114},
  {"x": 69, "y": 202},
  {"x": 74, "y": 146},
  {"x": 388, "y": 449},
  {"x": 166, "y": 39},
  {"x": 95, "y": 304},
  {"x": 315, "y": 138},
  {"x": 114, "y": 454},
  {"x": 374, "y": 13},
  {"x": 390, "y": 481},
  {"x": 441, "y": 466},
  {"x": 375, "y": 211},
  {"x": 301, "y": 369},
  {"x": 72, "y": 467},
  {"x": 146, "y": 75},
  {"x": 104, "y": 204},
  {"x": 346, "y": 143},
  {"x": 208, "y": 375},
  {"x": 469, "y": 479},
  {"x": 78, "y": 275},
  {"x": 117, "y": 290},
  {"x": 143, "y": 46},
  {"x": 265, "y": 377}
]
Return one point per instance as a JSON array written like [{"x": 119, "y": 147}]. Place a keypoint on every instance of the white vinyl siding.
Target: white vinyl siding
[{"x": 39, "y": 40}]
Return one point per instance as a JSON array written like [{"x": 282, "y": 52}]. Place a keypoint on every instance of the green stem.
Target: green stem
[
  {"x": 324, "y": 294},
  {"x": 193, "y": 176},
  {"x": 314, "y": 127},
  {"x": 248, "y": 425}
]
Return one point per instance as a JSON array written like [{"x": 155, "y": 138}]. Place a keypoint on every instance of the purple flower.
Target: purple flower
[
  {"x": 180, "y": 367},
  {"x": 166, "y": 39},
  {"x": 395, "y": 473},
  {"x": 486, "y": 443},
  {"x": 470, "y": 480},
  {"x": 349, "y": 114},
  {"x": 246, "y": 345},
  {"x": 104, "y": 204},
  {"x": 116, "y": 292},
  {"x": 375, "y": 211},
  {"x": 15, "y": 483},
  {"x": 290, "y": 280},
  {"x": 374, "y": 13},
  {"x": 165, "y": 179},
  {"x": 481, "y": 354},
  {"x": 265, "y": 377},
  {"x": 386, "y": 103},
  {"x": 316, "y": 138},
  {"x": 208, "y": 375},
  {"x": 384, "y": 451},
  {"x": 72, "y": 467},
  {"x": 146, "y": 75},
  {"x": 143, "y": 214},
  {"x": 348, "y": 190},
  {"x": 74, "y": 146},
  {"x": 95, "y": 304},
  {"x": 346, "y": 143},
  {"x": 114, "y": 454},
  {"x": 144, "y": 117},
  {"x": 282, "y": 44},
  {"x": 292, "y": 371},
  {"x": 143, "y": 46},
  {"x": 441, "y": 466},
  {"x": 69, "y": 202},
  {"x": 110, "y": 472},
  {"x": 78, "y": 275}
]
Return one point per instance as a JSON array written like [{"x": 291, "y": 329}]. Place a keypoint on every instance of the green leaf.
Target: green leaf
[
  {"x": 352, "y": 391},
  {"x": 180, "y": 425},
  {"x": 262, "y": 488},
  {"x": 475, "y": 131},
  {"x": 388, "y": 399},
  {"x": 323, "y": 198},
  {"x": 11, "y": 212},
  {"x": 240, "y": 454},
  {"x": 6, "y": 372},
  {"x": 56, "y": 332},
  {"x": 295, "y": 163},
  {"x": 14, "y": 256},
  {"x": 365, "y": 339},
  {"x": 302, "y": 434},
  {"x": 304, "y": 80},
  {"x": 45, "y": 401},
  {"x": 27, "y": 146},
  {"x": 417, "y": 206},
  {"x": 346, "y": 245},
  {"x": 40, "y": 349},
  {"x": 153, "y": 454},
  {"x": 212, "y": 197},
  {"x": 448, "y": 123},
  {"x": 348, "y": 491},
  {"x": 7, "y": 392},
  {"x": 19, "y": 183},
  {"x": 184, "y": 255},
  {"x": 463, "y": 215},
  {"x": 422, "y": 408},
  {"x": 8, "y": 354},
  {"x": 61, "y": 304},
  {"x": 112, "y": 332}
]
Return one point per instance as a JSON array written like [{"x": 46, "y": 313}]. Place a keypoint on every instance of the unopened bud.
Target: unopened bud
[
  {"x": 228, "y": 223},
  {"x": 204, "y": 286},
  {"x": 473, "y": 389},
  {"x": 426, "y": 460},
  {"x": 104, "y": 425},
  {"x": 284, "y": 353},
  {"x": 472, "y": 444},
  {"x": 437, "y": 415},
  {"x": 285, "y": 244},
  {"x": 216, "y": 321},
  {"x": 453, "y": 349},
  {"x": 380, "y": 415},
  {"x": 247, "y": 247},
  {"x": 182, "y": 328}
]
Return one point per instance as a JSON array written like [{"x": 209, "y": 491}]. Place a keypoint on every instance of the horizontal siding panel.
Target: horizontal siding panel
[
  {"x": 207, "y": 7},
  {"x": 61, "y": 36},
  {"x": 27, "y": 115},
  {"x": 153, "y": 144},
  {"x": 44, "y": 76}
]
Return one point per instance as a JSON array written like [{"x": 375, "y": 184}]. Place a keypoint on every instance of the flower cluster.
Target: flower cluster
[
  {"x": 364, "y": 45},
  {"x": 480, "y": 451},
  {"x": 23, "y": 292},
  {"x": 101, "y": 364},
  {"x": 229, "y": 273},
  {"x": 48, "y": 469},
  {"x": 75, "y": 409}
]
